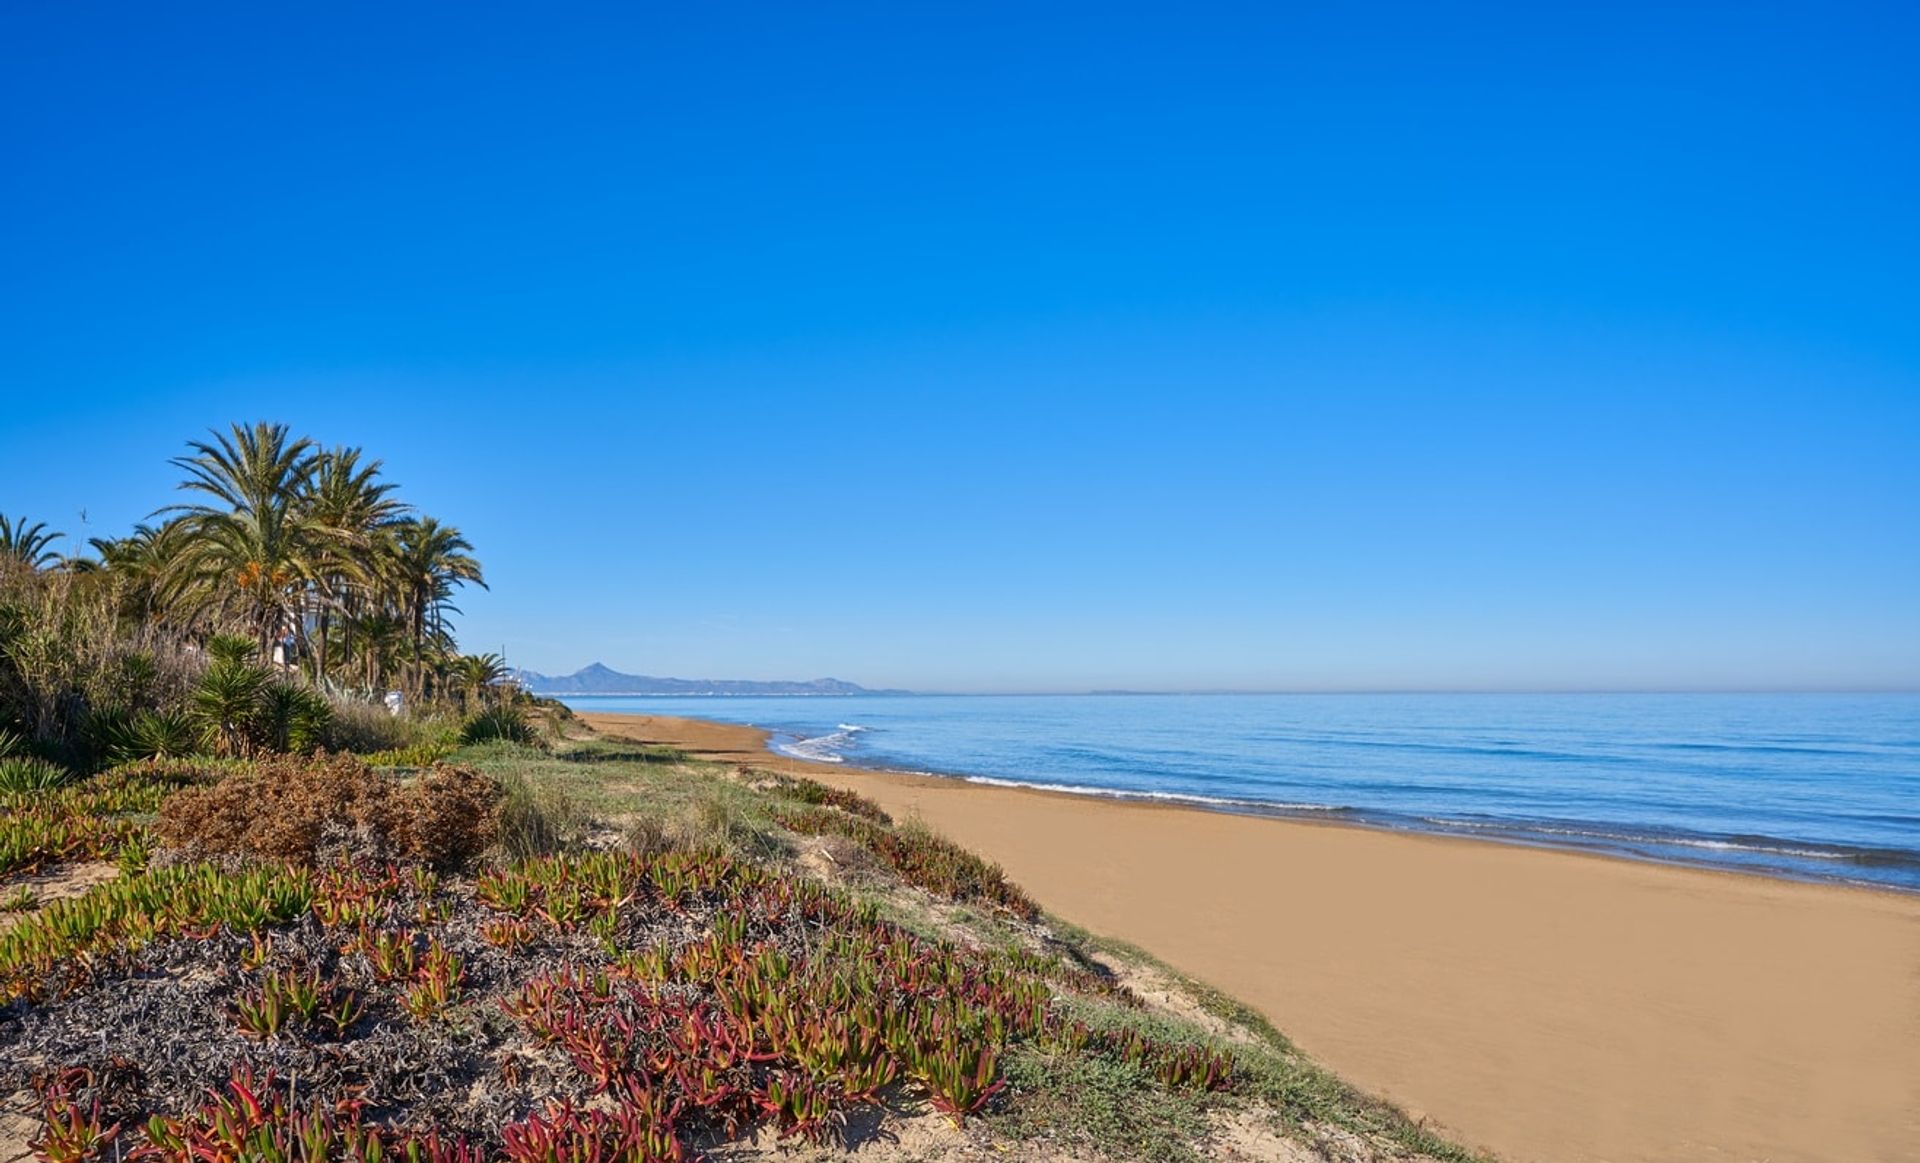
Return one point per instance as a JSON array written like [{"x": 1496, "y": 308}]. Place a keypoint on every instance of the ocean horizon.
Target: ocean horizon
[{"x": 1812, "y": 786}]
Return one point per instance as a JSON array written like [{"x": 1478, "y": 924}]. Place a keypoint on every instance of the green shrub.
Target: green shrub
[
  {"x": 165, "y": 734},
  {"x": 131, "y": 680},
  {"x": 717, "y": 824},
  {"x": 115, "y": 736},
  {"x": 809, "y": 791},
  {"x": 508, "y": 724},
  {"x": 108, "y": 733},
  {"x": 227, "y": 700},
  {"x": 231, "y": 649},
  {"x": 1114, "y": 1108},
  {"x": 922, "y": 857},
  {"x": 23, "y": 773},
  {"x": 292, "y": 718}
]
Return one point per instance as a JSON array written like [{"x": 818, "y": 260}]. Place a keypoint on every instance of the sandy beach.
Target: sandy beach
[{"x": 1542, "y": 1005}]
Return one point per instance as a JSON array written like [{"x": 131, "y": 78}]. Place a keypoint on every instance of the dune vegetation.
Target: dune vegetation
[
  {"x": 250, "y": 912},
  {"x": 271, "y": 607}
]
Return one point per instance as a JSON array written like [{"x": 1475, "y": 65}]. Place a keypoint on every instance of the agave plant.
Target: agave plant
[
  {"x": 109, "y": 733},
  {"x": 226, "y": 701},
  {"x": 24, "y": 773},
  {"x": 169, "y": 733},
  {"x": 118, "y": 736},
  {"x": 230, "y": 649},
  {"x": 498, "y": 723},
  {"x": 292, "y": 717}
]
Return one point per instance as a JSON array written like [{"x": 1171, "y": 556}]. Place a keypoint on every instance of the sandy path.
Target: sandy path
[{"x": 1544, "y": 1005}]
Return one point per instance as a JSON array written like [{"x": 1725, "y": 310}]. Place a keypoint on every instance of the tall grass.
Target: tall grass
[{"x": 538, "y": 819}]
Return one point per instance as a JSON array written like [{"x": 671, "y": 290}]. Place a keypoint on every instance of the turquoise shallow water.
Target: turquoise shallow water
[{"x": 1805, "y": 785}]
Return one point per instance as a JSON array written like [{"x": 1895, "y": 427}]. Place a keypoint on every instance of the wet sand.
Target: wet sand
[{"x": 1542, "y": 1005}]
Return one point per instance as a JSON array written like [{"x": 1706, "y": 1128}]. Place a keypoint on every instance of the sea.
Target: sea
[{"x": 1810, "y": 786}]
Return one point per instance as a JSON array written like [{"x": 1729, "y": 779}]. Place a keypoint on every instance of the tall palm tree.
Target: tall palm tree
[
  {"x": 28, "y": 545},
  {"x": 350, "y": 513},
  {"x": 250, "y": 553},
  {"x": 430, "y": 560},
  {"x": 379, "y": 640}
]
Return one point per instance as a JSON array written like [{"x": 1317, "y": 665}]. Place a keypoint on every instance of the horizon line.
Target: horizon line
[{"x": 1127, "y": 692}]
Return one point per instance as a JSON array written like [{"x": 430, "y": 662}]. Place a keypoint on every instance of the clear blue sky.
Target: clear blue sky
[{"x": 985, "y": 347}]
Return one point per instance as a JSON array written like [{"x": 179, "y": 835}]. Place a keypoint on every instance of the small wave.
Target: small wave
[
  {"x": 1769, "y": 849},
  {"x": 1155, "y": 796},
  {"x": 809, "y": 750},
  {"x": 1756, "y": 845},
  {"x": 821, "y": 748}
]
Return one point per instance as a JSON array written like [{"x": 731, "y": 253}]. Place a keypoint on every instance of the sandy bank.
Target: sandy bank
[{"x": 1543, "y": 1005}]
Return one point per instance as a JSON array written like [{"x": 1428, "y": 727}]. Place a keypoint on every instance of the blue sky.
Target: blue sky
[{"x": 1020, "y": 347}]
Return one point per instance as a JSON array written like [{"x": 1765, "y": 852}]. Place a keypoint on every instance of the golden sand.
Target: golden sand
[{"x": 1543, "y": 1005}]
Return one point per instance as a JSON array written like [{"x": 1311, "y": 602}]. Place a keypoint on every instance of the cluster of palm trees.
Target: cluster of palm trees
[{"x": 304, "y": 550}]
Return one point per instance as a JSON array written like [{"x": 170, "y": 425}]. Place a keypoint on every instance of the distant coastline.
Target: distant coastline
[
  {"x": 597, "y": 680},
  {"x": 720, "y": 694}
]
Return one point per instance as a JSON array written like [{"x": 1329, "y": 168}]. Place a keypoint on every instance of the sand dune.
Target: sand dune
[{"x": 1543, "y": 1005}]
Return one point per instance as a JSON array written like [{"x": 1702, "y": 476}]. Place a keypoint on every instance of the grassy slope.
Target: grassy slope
[{"x": 599, "y": 789}]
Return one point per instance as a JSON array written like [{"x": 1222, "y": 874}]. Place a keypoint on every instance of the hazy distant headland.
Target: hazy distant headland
[{"x": 600, "y": 679}]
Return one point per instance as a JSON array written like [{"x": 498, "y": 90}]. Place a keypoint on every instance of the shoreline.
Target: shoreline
[
  {"x": 1541, "y": 1002},
  {"x": 1524, "y": 834},
  {"x": 1814, "y": 797}
]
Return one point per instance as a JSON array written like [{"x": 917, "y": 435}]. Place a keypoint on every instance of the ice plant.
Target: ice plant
[
  {"x": 509, "y": 892},
  {"x": 802, "y": 1107},
  {"x": 72, "y": 1131},
  {"x": 436, "y": 984},
  {"x": 511, "y": 935},
  {"x": 636, "y": 1132}
]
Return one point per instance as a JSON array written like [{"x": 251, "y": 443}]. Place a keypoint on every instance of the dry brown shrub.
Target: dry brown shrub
[
  {"x": 305, "y": 810},
  {"x": 447, "y": 816}
]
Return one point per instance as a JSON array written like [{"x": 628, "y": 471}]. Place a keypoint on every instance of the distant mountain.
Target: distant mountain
[{"x": 604, "y": 680}]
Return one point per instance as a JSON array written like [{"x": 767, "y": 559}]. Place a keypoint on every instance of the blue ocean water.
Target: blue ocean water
[{"x": 1805, "y": 785}]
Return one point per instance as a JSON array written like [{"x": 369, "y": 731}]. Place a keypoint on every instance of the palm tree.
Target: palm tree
[
  {"x": 350, "y": 513},
  {"x": 477, "y": 675},
  {"x": 142, "y": 566},
  {"x": 27, "y": 544},
  {"x": 378, "y": 638},
  {"x": 250, "y": 554},
  {"x": 430, "y": 560}
]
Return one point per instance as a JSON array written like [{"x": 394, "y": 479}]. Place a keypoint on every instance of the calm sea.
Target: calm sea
[{"x": 1803, "y": 785}]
